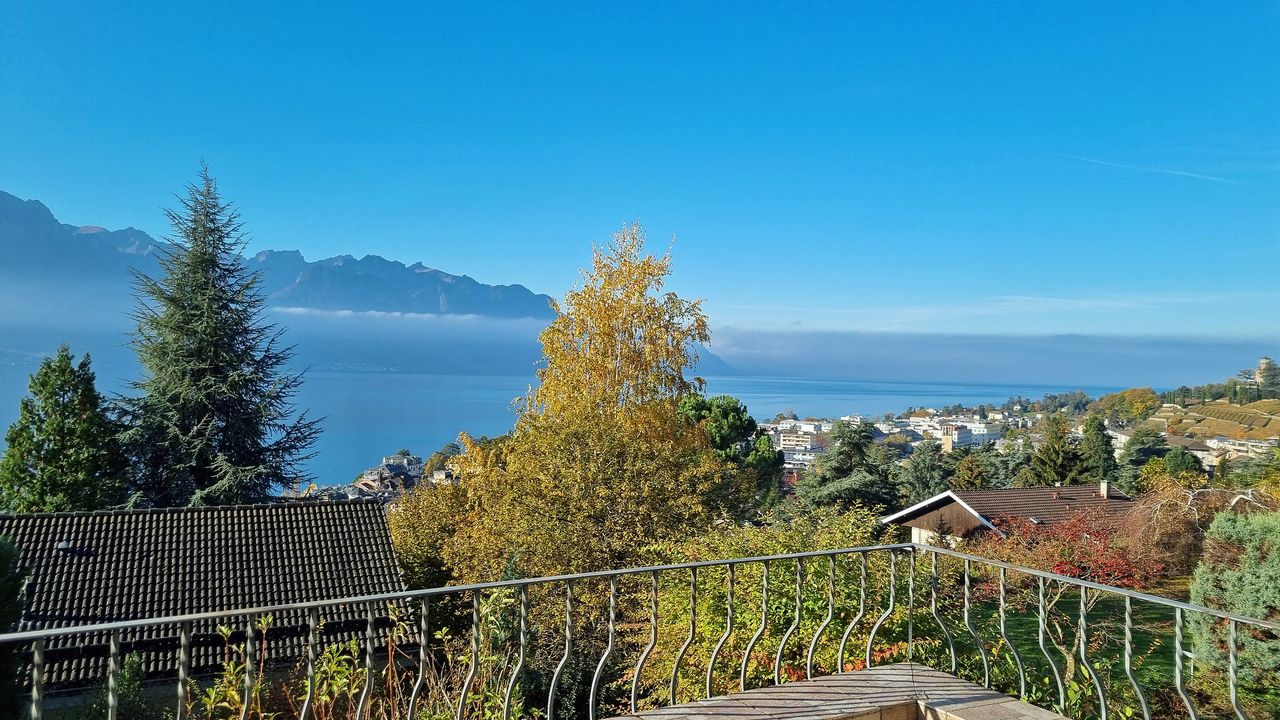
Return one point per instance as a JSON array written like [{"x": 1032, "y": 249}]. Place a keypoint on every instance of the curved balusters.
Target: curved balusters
[
  {"x": 782, "y": 645},
  {"x": 423, "y": 644},
  {"x": 1128, "y": 659},
  {"x": 1084, "y": 655},
  {"x": 893, "y": 596},
  {"x": 1179, "y": 680},
  {"x": 653, "y": 637},
  {"x": 728, "y": 630},
  {"x": 1004, "y": 635},
  {"x": 831, "y": 613},
  {"x": 1232, "y": 690},
  {"x": 973, "y": 630},
  {"x": 475, "y": 654},
  {"x": 366, "y": 695},
  {"x": 113, "y": 678},
  {"x": 608, "y": 649},
  {"x": 313, "y": 623},
  {"x": 862, "y": 610},
  {"x": 1042, "y": 626},
  {"x": 524, "y": 641},
  {"x": 933, "y": 606},
  {"x": 254, "y": 650},
  {"x": 693, "y": 628},
  {"x": 184, "y": 670},
  {"x": 37, "y": 679},
  {"x": 764, "y": 622},
  {"x": 911, "y": 605},
  {"x": 250, "y": 652},
  {"x": 568, "y": 648}
]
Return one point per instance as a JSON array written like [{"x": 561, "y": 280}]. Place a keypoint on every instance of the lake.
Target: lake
[{"x": 369, "y": 414}]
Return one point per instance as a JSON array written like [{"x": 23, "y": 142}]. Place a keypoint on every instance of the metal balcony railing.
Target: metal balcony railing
[{"x": 966, "y": 627}]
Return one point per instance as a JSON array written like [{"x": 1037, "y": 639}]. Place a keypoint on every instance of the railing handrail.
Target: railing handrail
[
  {"x": 109, "y": 627},
  {"x": 28, "y": 635},
  {"x": 1145, "y": 597}
]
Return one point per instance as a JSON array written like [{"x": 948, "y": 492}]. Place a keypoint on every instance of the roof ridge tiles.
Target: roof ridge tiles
[{"x": 281, "y": 502}]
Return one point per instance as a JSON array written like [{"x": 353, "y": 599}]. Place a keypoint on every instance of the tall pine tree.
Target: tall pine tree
[
  {"x": 213, "y": 422},
  {"x": 62, "y": 451},
  {"x": 1097, "y": 454},
  {"x": 925, "y": 473},
  {"x": 1056, "y": 460}
]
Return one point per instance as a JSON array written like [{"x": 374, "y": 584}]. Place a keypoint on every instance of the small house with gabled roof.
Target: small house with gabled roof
[{"x": 963, "y": 513}]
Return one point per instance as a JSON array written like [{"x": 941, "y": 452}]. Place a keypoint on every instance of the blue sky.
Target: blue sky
[{"x": 995, "y": 168}]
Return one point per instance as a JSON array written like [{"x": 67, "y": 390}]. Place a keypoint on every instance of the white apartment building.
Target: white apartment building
[
  {"x": 799, "y": 459},
  {"x": 800, "y": 441}
]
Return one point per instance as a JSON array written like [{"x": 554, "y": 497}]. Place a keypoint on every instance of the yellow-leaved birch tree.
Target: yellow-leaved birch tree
[{"x": 600, "y": 463}]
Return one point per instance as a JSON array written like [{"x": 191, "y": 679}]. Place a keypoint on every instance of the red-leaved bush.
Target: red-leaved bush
[{"x": 1084, "y": 546}]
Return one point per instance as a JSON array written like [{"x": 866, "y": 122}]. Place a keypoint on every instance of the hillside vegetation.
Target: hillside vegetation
[{"x": 1254, "y": 421}]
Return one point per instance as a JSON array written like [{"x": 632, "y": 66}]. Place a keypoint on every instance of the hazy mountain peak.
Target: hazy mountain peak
[
  {"x": 279, "y": 255},
  {"x": 35, "y": 247},
  {"x": 17, "y": 214}
]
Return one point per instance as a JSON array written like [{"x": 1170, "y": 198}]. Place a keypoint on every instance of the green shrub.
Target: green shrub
[
  {"x": 823, "y": 529},
  {"x": 131, "y": 698},
  {"x": 1239, "y": 572}
]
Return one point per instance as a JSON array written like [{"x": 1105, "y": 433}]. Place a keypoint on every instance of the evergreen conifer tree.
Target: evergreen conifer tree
[
  {"x": 1097, "y": 454},
  {"x": 213, "y": 421},
  {"x": 62, "y": 452},
  {"x": 1056, "y": 459},
  {"x": 1145, "y": 444},
  {"x": 854, "y": 469},
  {"x": 924, "y": 474},
  {"x": 971, "y": 473},
  {"x": 1180, "y": 459}
]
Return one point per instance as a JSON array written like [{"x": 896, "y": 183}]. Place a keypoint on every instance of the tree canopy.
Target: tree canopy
[
  {"x": 1240, "y": 573},
  {"x": 1097, "y": 454},
  {"x": 213, "y": 420},
  {"x": 735, "y": 437},
  {"x": 854, "y": 469},
  {"x": 1143, "y": 445},
  {"x": 1055, "y": 460},
  {"x": 62, "y": 453},
  {"x": 601, "y": 460},
  {"x": 924, "y": 474}
]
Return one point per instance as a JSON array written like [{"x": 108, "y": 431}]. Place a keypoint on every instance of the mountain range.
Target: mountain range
[
  {"x": 68, "y": 283},
  {"x": 94, "y": 262}
]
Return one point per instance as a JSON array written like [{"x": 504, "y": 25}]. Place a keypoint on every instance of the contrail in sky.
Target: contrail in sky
[{"x": 1138, "y": 168}]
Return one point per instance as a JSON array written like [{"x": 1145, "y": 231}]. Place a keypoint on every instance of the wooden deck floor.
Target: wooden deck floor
[{"x": 902, "y": 691}]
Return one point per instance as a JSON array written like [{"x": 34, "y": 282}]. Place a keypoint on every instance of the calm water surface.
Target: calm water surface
[{"x": 368, "y": 415}]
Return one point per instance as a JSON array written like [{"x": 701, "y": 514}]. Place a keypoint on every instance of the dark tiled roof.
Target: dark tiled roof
[
  {"x": 1191, "y": 444},
  {"x": 1047, "y": 504},
  {"x": 95, "y": 567}
]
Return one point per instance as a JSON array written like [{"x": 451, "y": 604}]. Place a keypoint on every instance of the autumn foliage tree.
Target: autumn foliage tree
[
  {"x": 601, "y": 461},
  {"x": 1085, "y": 546},
  {"x": 1170, "y": 520}
]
